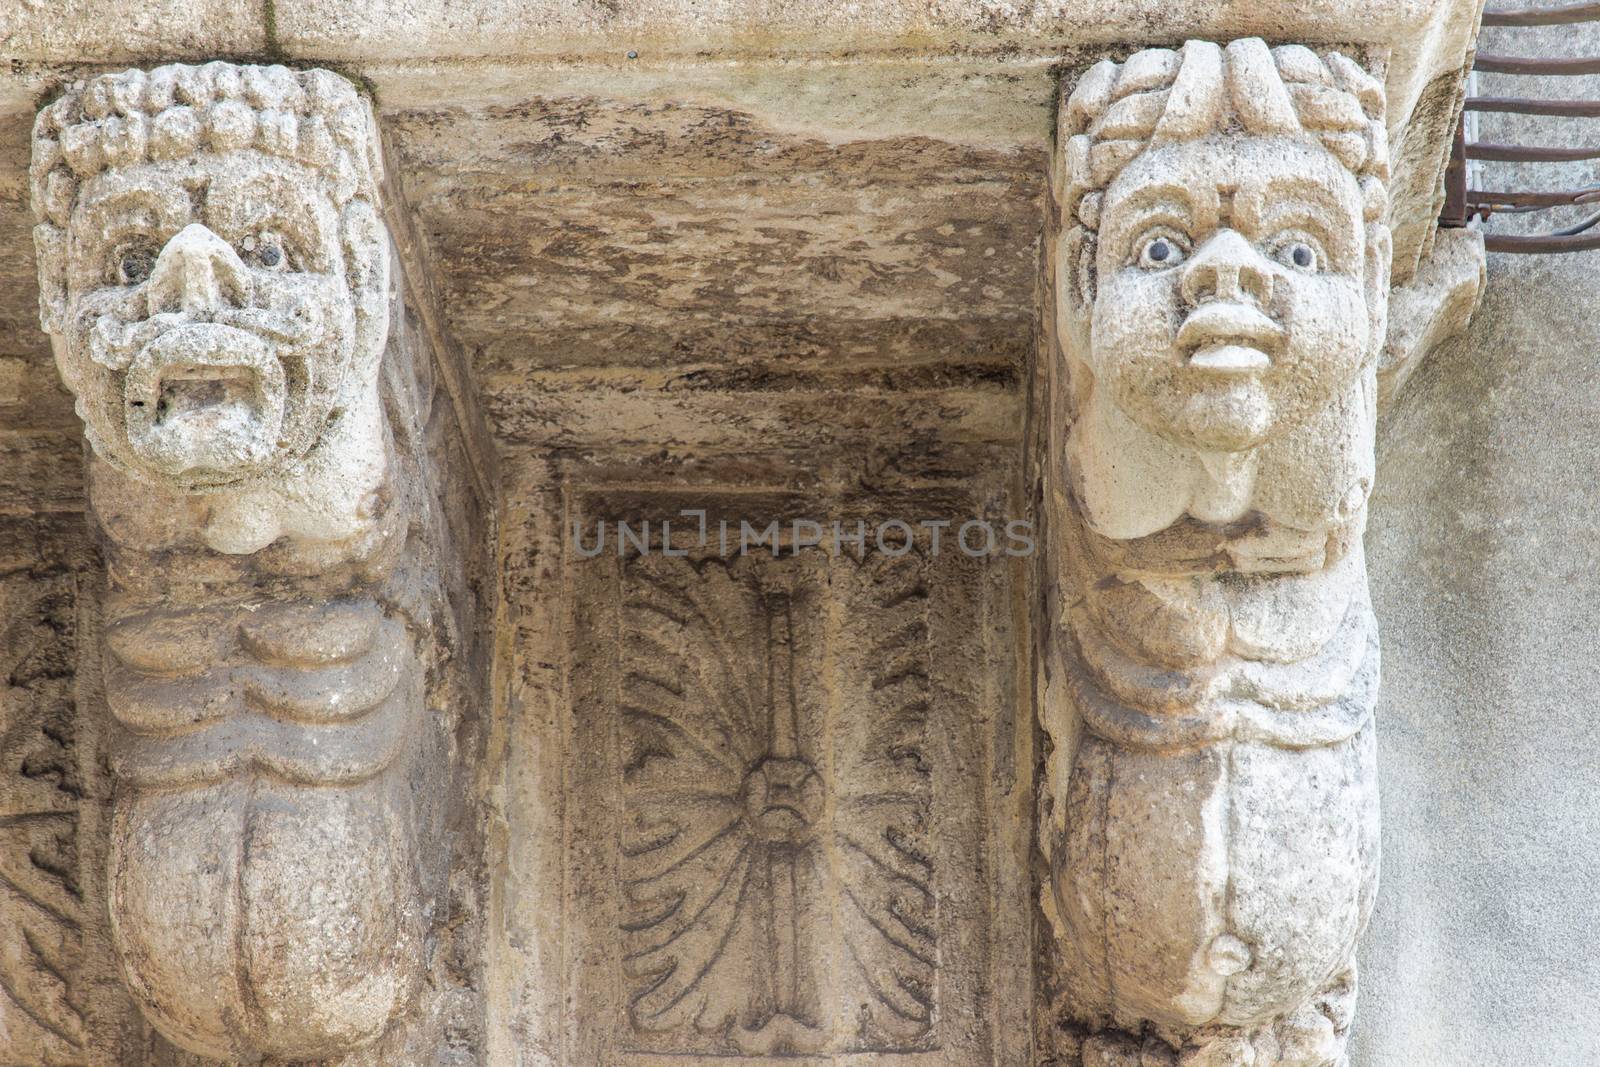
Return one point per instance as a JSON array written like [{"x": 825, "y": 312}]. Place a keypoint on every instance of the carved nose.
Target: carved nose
[
  {"x": 1227, "y": 268},
  {"x": 197, "y": 272}
]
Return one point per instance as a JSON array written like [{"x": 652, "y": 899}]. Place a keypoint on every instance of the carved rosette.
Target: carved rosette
[
  {"x": 215, "y": 278},
  {"x": 1220, "y": 258}
]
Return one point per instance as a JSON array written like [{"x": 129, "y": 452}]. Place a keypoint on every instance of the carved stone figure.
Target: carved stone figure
[
  {"x": 215, "y": 278},
  {"x": 1221, "y": 268},
  {"x": 216, "y": 281}
]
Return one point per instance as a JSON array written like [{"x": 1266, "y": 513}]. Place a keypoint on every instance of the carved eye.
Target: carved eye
[
  {"x": 1301, "y": 253},
  {"x": 133, "y": 261},
  {"x": 1162, "y": 249},
  {"x": 265, "y": 250}
]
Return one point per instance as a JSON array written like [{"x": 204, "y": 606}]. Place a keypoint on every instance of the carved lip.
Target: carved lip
[
  {"x": 1230, "y": 337},
  {"x": 204, "y": 398},
  {"x": 1233, "y": 359}
]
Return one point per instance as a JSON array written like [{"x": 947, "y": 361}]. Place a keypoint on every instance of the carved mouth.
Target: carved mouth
[
  {"x": 1232, "y": 358},
  {"x": 204, "y": 401},
  {"x": 188, "y": 391},
  {"x": 1230, "y": 338}
]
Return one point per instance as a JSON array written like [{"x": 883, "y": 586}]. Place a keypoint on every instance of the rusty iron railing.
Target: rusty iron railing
[
  {"x": 1542, "y": 16},
  {"x": 1463, "y": 203}
]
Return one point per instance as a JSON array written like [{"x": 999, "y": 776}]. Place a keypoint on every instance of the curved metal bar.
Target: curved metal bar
[
  {"x": 1583, "y": 235},
  {"x": 1524, "y": 65},
  {"x": 1521, "y": 105},
  {"x": 1543, "y": 198},
  {"x": 1542, "y": 16},
  {"x": 1489, "y": 210},
  {"x": 1517, "y": 153},
  {"x": 1585, "y": 225},
  {"x": 1545, "y": 242}
]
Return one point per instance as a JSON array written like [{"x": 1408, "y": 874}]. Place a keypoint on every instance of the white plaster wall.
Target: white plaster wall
[{"x": 1484, "y": 547}]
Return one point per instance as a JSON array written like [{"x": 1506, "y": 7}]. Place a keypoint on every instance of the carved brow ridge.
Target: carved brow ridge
[
  {"x": 123, "y": 196},
  {"x": 1304, "y": 189},
  {"x": 282, "y": 192},
  {"x": 1171, "y": 193}
]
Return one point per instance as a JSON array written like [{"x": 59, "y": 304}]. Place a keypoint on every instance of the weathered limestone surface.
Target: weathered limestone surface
[
  {"x": 649, "y": 298},
  {"x": 870, "y": 176},
  {"x": 1220, "y": 270},
  {"x": 789, "y": 752},
  {"x": 44, "y": 562},
  {"x": 780, "y": 263},
  {"x": 788, "y": 791}
]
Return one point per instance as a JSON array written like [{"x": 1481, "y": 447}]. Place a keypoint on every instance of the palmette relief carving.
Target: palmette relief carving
[
  {"x": 777, "y": 839},
  {"x": 215, "y": 278},
  {"x": 41, "y": 901},
  {"x": 778, "y": 878},
  {"x": 1220, "y": 259}
]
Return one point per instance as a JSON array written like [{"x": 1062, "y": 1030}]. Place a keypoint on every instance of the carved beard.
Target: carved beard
[{"x": 214, "y": 400}]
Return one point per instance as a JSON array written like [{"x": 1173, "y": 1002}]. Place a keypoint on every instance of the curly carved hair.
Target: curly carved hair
[
  {"x": 313, "y": 117},
  {"x": 1119, "y": 110}
]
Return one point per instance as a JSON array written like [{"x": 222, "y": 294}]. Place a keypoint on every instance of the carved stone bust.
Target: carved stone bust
[
  {"x": 1224, "y": 276},
  {"x": 214, "y": 276},
  {"x": 1222, "y": 279}
]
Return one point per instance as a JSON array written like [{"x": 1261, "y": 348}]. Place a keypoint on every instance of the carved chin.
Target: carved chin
[
  {"x": 204, "y": 403},
  {"x": 1227, "y": 417}
]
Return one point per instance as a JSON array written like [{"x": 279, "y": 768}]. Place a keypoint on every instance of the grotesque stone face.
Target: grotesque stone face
[
  {"x": 210, "y": 320},
  {"x": 212, "y": 269},
  {"x": 1233, "y": 281}
]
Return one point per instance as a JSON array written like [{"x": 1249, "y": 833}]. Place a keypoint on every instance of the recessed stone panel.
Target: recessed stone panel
[{"x": 777, "y": 838}]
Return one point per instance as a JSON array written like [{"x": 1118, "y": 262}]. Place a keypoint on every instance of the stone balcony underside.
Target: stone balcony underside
[
  {"x": 681, "y": 251},
  {"x": 776, "y": 260}
]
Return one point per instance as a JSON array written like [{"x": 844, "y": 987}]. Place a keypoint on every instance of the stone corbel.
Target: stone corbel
[
  {"x": 1222, "y": 324},
  {"x": 216, "y": 279}
]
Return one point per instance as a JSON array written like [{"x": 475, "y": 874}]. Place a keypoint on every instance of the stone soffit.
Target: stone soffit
[
  {"x": 497, "y": 50},
  {"x": 980, "y": 76},
  {"x": 567, "y": 168}
]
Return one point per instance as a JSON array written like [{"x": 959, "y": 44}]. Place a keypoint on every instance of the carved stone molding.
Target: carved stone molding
[
  {"x": 216, "y": 280},
  {"x": 1220, "y": 250}
]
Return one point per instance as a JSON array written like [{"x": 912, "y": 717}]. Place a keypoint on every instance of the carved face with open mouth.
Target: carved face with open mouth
[
  {"x": 214, "y": 314},
  {"x": 1235, "y": 287}
]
